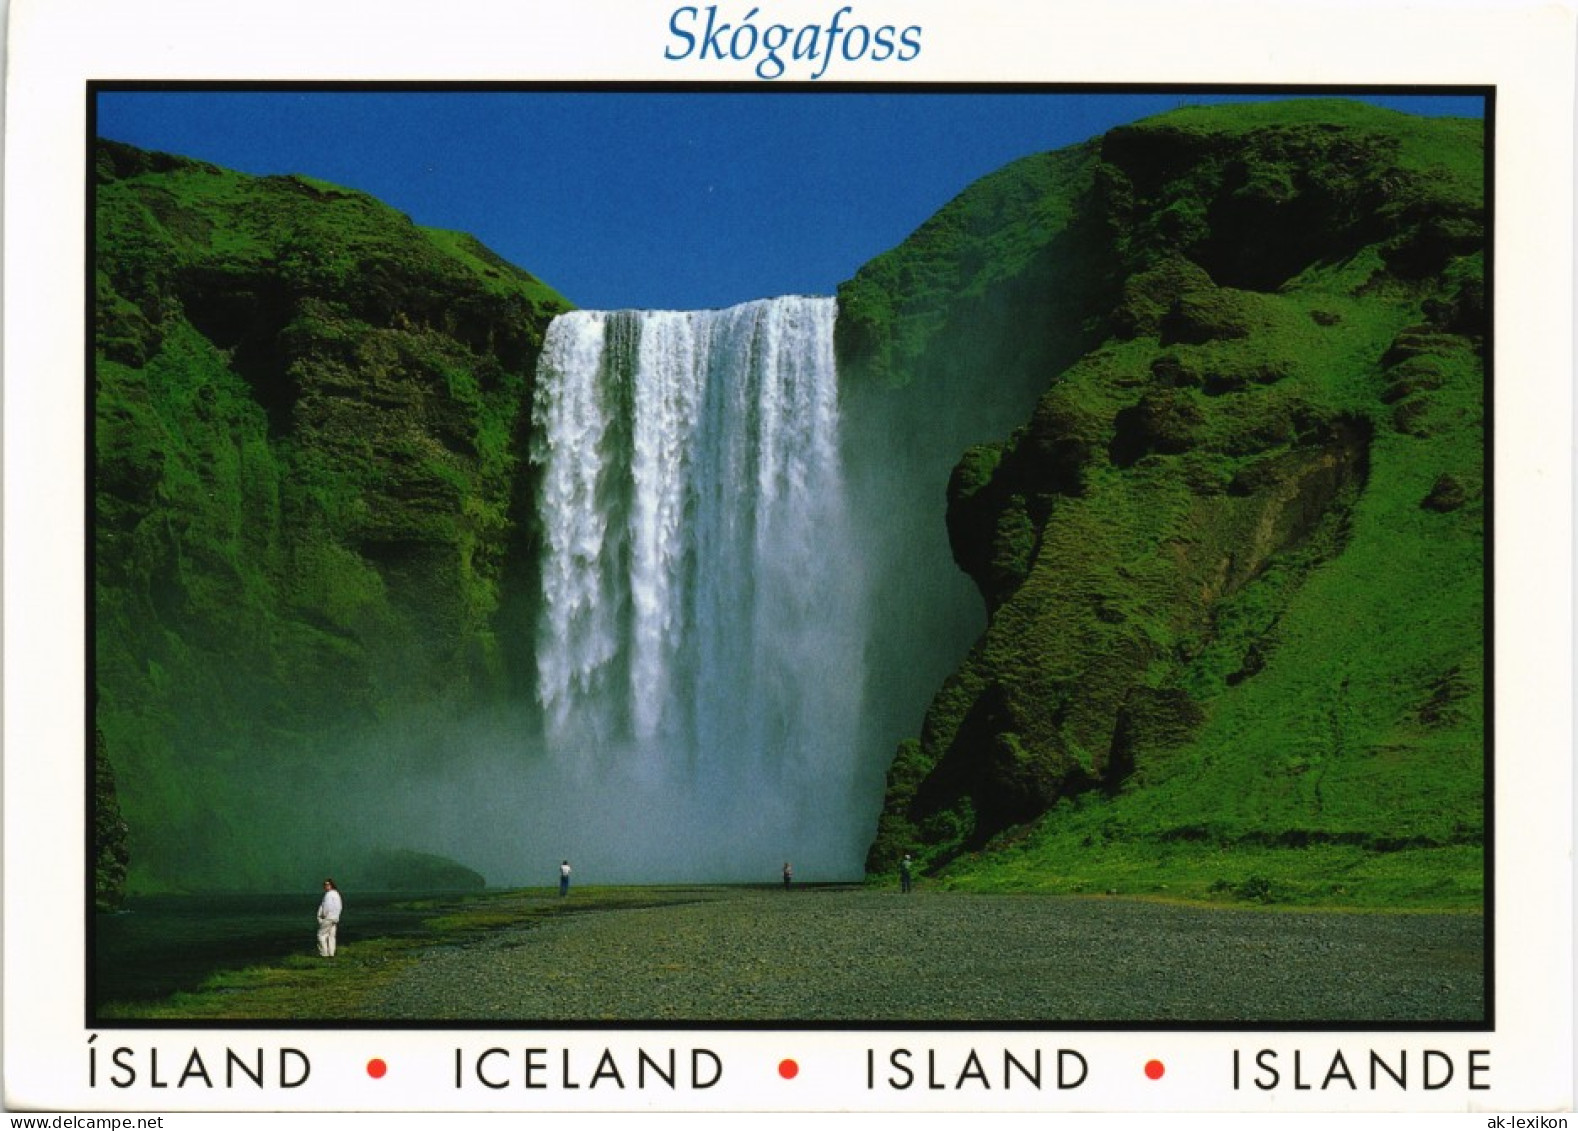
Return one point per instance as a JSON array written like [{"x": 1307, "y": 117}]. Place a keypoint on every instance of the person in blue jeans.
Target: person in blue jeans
[{"x": 564, "y": 878}]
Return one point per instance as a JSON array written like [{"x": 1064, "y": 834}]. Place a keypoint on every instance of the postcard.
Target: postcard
[{"x": 859, "y": 559}]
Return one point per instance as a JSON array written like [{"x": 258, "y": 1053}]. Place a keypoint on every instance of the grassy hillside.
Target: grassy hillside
[
  {"x": 1233, "y": 559},
  {"x": 1197, "y": 408},
  {"x": 307, "y": 418}
]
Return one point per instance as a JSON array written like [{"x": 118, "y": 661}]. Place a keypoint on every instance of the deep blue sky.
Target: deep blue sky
[{"x": 667, "y": 199}]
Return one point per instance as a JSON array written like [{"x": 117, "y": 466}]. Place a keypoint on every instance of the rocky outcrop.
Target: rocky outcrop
[
  {"x": 1184, "y": 538},
  {"x": 111, "y": 854},
  {"x": 1203, "y": 399}
]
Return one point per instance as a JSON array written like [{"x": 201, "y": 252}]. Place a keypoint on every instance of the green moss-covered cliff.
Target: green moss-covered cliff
[
  {"x": 110, "y": 852},
  {"x": 1190, "y": 417},
  {"x": 1233, "y": 555},
  {"x": 308, "y": 414}
]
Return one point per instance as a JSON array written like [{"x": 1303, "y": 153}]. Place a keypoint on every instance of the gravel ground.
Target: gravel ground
[{"x": 853, "y": 955}]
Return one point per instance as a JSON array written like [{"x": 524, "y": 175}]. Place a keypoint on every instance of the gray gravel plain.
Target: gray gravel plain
[{"x": 854, "y": 956}]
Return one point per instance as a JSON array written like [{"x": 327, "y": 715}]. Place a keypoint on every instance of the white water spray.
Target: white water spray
[{"x": 700, "y": 645}]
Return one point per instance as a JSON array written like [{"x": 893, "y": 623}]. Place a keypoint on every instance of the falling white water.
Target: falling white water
[{"x": 699, "y": 650}]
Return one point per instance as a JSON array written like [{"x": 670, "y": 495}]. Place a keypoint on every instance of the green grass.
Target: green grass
[
  {"x": 498, "y": 274},
  {"x": 1203, "y": 302},
  {"x": 1233, "y": 655},
  {"x": 1088, "y": 857},
  {"x": 306, "y": 988},
  {"x": 309, "y": 988},
  {"x": 302, "y": 988},
  {"x": 250, "y": 616}
]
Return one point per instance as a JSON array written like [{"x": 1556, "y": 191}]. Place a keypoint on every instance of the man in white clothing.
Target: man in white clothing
[{"x": 328, "y": 918}]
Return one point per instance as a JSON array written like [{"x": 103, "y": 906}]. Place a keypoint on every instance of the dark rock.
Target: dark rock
[
  {"x": 1413, "y": 342},
  {"x": 1150, "y": 722},
  {"x": 1447, "y": 694},
  {"x": 1232, "y": 477},
  {"x": 1446, "y": 494},
  {"x": 1058, "y": 446},
  {"x": 1412, "y": 417},
  {"x": 1172, "y": 371},
  {"x": 1164, "y": 422},
  {"x": 1463, "y": 313},
  {"x": 1150, "y": 295},
  {"x": 1417, "y": 374},
  {"x": 1238, "y": 379},
  {"x": 1207, "y": 316},
  {"x": 111, "y": 852},
  {"x": 1435, "y": 241},
  {"x": 1254, "y": 663}
]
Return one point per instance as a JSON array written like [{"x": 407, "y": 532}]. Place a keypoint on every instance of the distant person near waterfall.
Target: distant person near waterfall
[
  {"x": 788, "y": 875},
  {"x": 905, "y": 879},
  {"x": 564, "y": 878}
]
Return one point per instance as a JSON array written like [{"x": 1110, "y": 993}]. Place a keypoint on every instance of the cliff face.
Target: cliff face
[
  {"x": 308, "y": 414},
  {"x": 1232, "y": 559},
  {"x": 1197, "y": 408}
]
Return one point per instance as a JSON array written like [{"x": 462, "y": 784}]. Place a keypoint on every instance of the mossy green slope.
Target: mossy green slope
[
  {"x": 307, "y": 414},
  {"x": 1234, "y": 560},
  {"x": 1232, "y": 553}
]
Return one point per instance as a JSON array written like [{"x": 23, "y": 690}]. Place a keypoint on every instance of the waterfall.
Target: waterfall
[{"x": 702, "y": 616}]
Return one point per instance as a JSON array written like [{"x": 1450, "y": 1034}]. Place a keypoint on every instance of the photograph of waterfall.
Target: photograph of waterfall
[
  {"x": 702, "y": 628},
  {"x": 553, "y": 499},
  {"x": 893, "y": 558}
]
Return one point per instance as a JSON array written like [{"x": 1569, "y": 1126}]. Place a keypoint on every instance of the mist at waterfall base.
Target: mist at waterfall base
[
  {"x": 746, "y": 601},
  {"x": 699, "y": 650}
]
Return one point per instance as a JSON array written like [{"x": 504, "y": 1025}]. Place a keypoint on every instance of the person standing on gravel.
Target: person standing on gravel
[
  {"x": 329, "y": 919},
  {"x": 564, "y": 878},
  {"x": 904, "y": 873}
]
